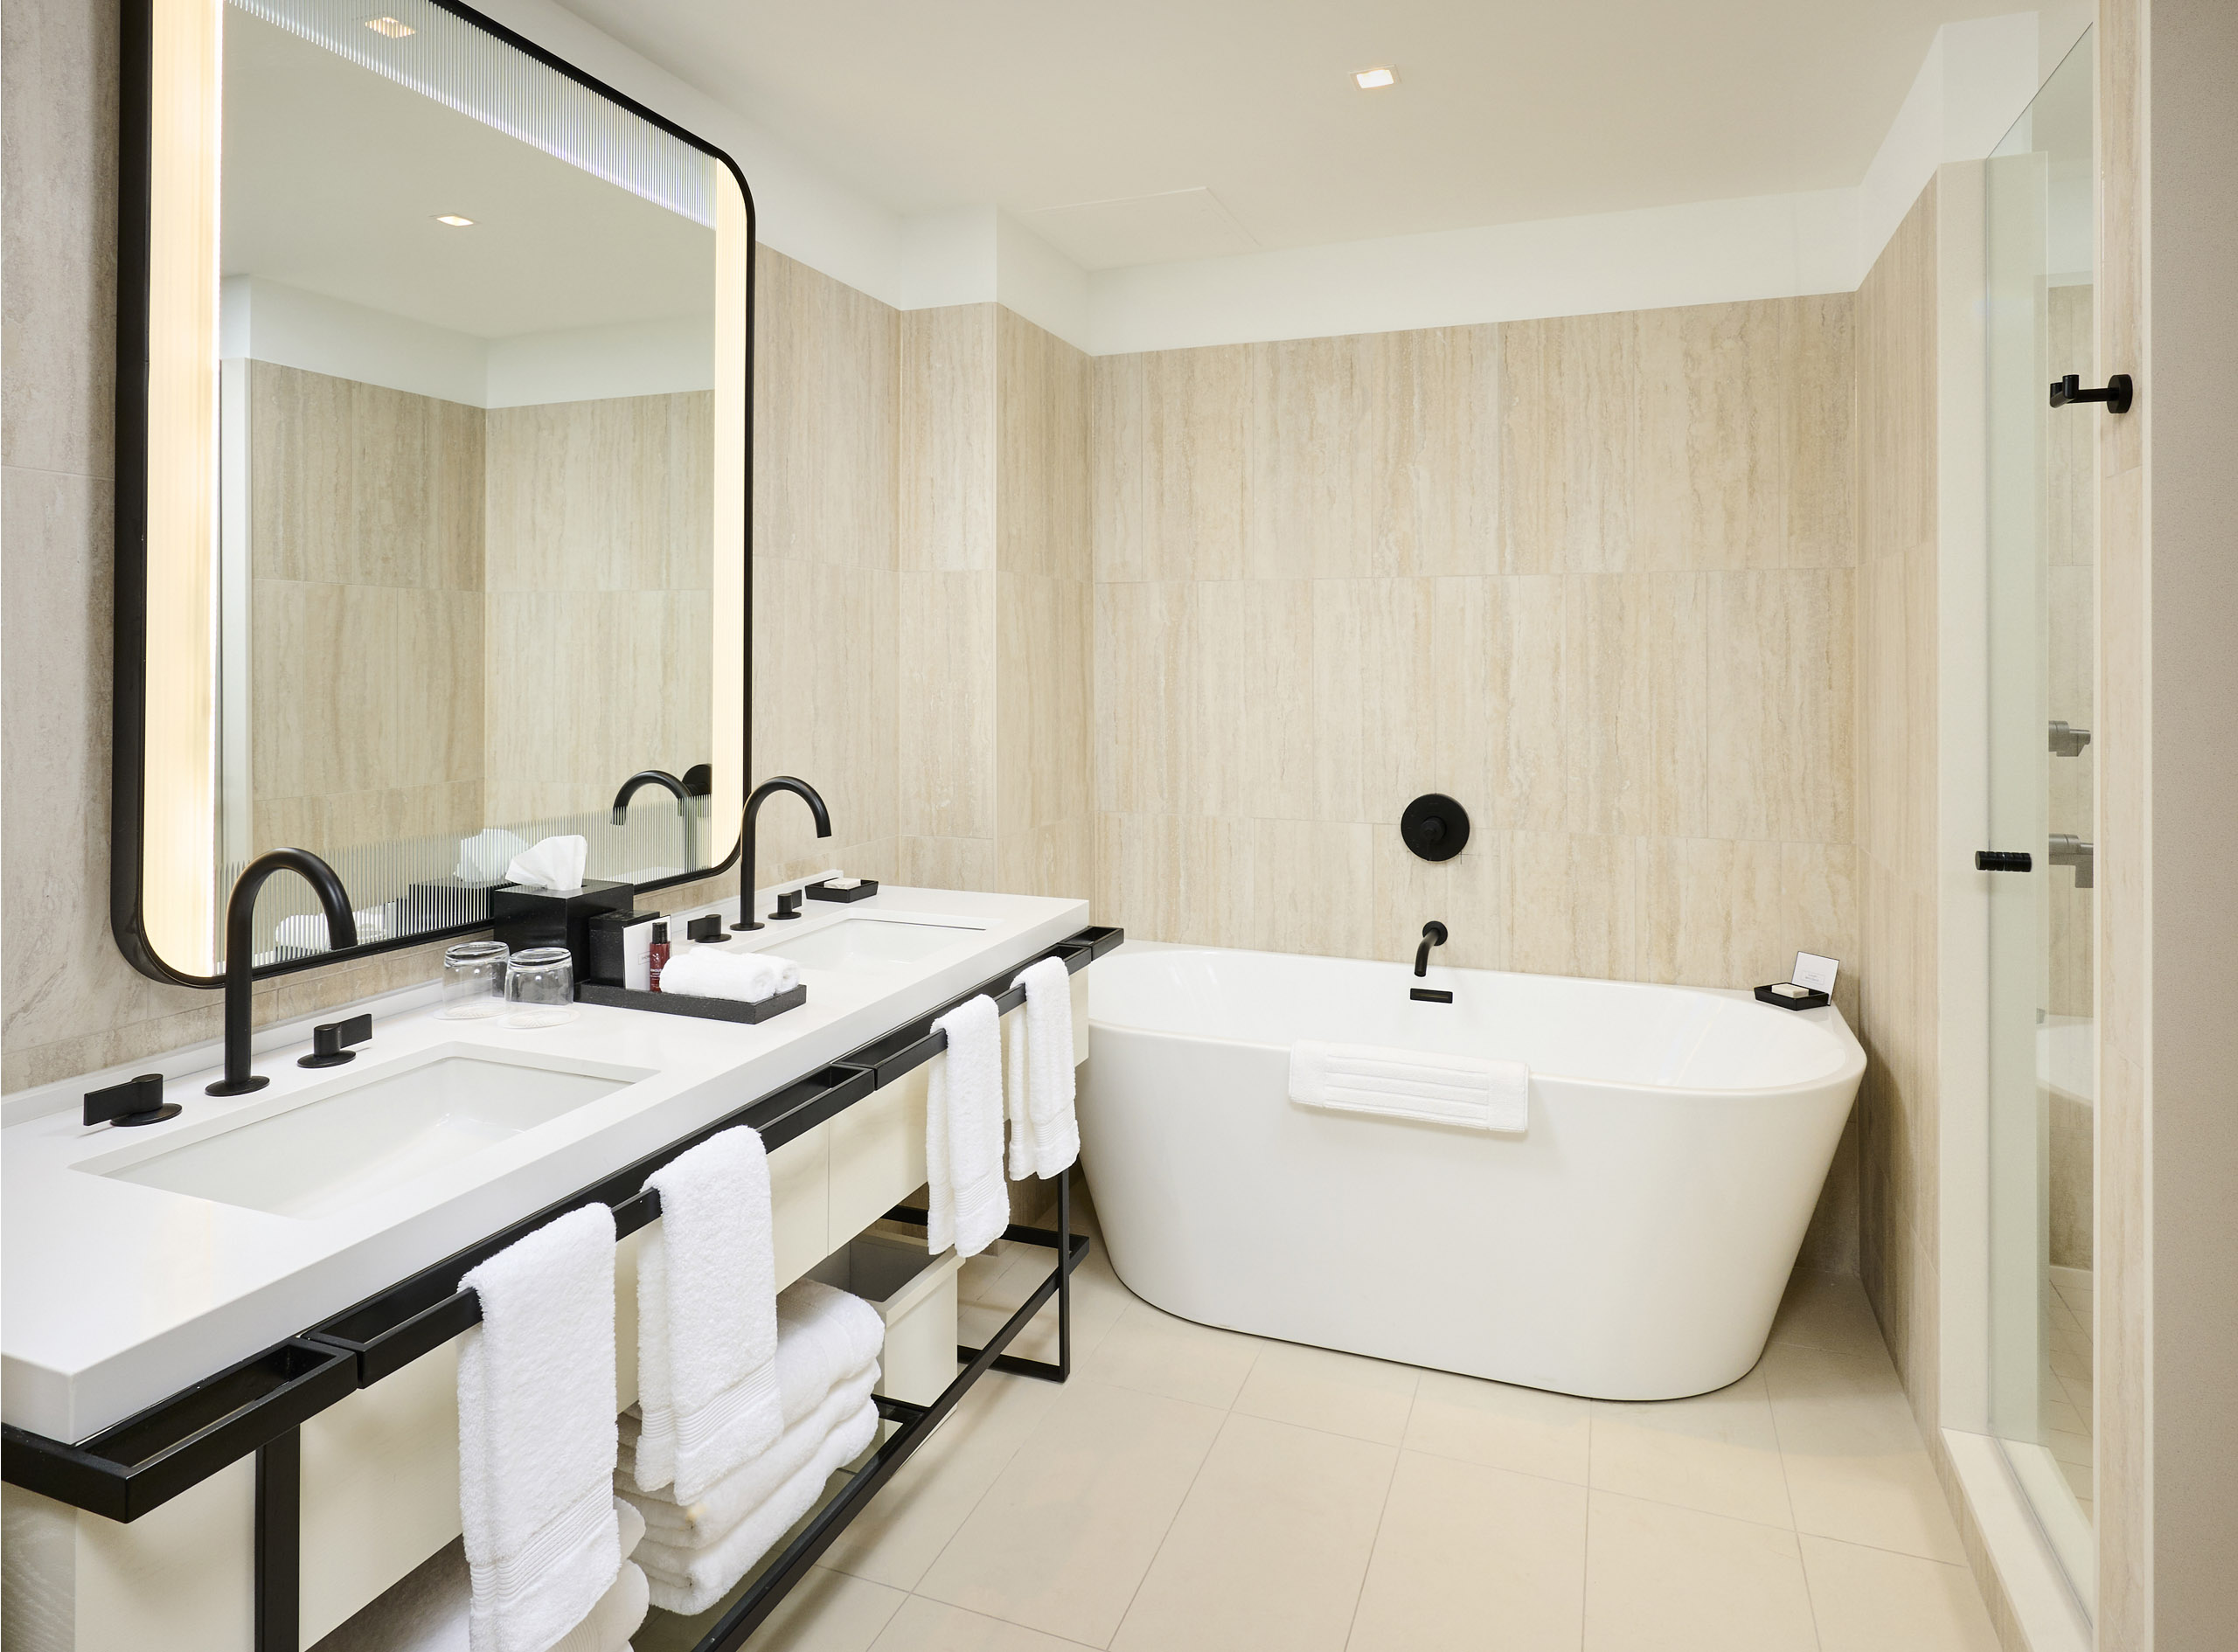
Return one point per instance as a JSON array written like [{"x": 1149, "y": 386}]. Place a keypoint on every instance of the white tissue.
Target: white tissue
[
  {"x": 482, "y": 858},
  {"x": 555, "y": 864}
]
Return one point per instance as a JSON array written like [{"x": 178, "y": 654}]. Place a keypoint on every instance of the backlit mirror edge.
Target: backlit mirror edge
[{"x": 165, "y": 493}]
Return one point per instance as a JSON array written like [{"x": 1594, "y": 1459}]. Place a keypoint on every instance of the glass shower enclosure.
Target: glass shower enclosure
[{"x": 2040, "y": 244}]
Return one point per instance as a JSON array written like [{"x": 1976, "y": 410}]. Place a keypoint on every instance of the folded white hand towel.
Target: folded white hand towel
[
  {"x": 964, "y": 1132},
  {"x": 824, "y": 1336},
  {"x": 691, "y": 1580},
  {"x": 710, "y": 972},
  {"x": 553, "y": 863},
  {"x": 1038, "y": 1080},
  {"x": 536, "y": 1428},
  {"x": 307, "y": 930},
  {"x": 1474, "y": 1091},
  {"x": 632, "y": 1523},
  {"x": 707, "y": 1519},
  {"x": 708, "y": 1395}
]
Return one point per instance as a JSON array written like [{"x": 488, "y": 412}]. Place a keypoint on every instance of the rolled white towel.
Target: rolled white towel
[
  {"x": 307, "y": 930},
  {"x": 709, "y": 972}
]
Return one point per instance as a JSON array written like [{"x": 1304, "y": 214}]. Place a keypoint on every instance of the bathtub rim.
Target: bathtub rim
[{"x": 1851, "y": 1071}]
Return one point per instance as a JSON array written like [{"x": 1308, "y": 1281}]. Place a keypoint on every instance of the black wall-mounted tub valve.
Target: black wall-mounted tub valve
[
  {"x": 2120, "y": 391},
  {"x": 135, "y": 1101},
  {"x": 1434, "y": 827},
  {"x": 2018, "y": 860},
  {"x": 328, "y": 1038}
]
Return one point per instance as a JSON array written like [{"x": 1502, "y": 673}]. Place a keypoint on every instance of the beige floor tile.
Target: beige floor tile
[
  {"x": 1339, "y": 1393},
  {"x": 1856, "y": 1469},
  {"x": 902, "y": 1531},
  {"x": 831, "y": 1612},
  {"x": 1871, "y": 1600},
  {"x": 927, "y": 1626},
  {"x": 1470, "y": 1559},
  {"x": 1161, "y": 1354},
  {"x": 1064, "y": 1536},
  {"x": 1269, "y": 1547},
  {"x": 1659, "y": 1578},
  {"x": 1526, "y": 1429},
  {"x": 1828, "y": 1310},
  {"x": 1718, "y": 1453},
  {"x": 1098, "y": 1301}
]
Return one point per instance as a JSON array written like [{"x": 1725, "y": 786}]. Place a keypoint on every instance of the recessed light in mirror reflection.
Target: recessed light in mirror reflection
[
  {"x": 395, "y": 28},
  {"x": 1369, "y": 79},
  {"x": 454, "y": 220}
]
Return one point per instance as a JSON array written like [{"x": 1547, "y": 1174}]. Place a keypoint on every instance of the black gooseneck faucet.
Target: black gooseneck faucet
[
  {"x": 685, "y": 794},
  {"x": 240, "y": 955},
  {"x": 1433, "y": 935},
  {"x": 760, "y": 795}
]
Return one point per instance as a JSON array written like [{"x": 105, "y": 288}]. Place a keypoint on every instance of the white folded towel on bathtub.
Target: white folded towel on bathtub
[{"x": 1474, "y": 1091}]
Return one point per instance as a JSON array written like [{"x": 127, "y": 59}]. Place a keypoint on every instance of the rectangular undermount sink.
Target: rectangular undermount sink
[
  {"x": 366, "y": 1134},
  {"x": 875, "y": 943}
]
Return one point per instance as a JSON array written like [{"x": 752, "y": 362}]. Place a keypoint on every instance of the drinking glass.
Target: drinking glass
[
  {"x": 474, "y": 980},
  {"x": 541, "y": 986}
]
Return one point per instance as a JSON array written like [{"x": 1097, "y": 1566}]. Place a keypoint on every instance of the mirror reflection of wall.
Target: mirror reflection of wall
[{"x": 465, "y": 576}]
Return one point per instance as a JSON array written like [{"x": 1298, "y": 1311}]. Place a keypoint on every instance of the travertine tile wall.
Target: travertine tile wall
[
  {"x": 1896, "y": 656},
  {"x": 826, "y": 589},
  {"x": 996, "y": 745},
  {"x": 365, "y": 547},
  {"x": 599, "y": 565},
  {"x": 1594, "y": 577}
]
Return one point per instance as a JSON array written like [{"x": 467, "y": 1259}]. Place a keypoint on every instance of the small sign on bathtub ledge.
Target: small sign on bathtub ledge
[{"x": 1811, "y": 986}]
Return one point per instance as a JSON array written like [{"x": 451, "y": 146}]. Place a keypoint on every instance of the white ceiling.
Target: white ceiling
[
  {"x": 333, "y": 176},
  {"x": 1173, "y": 129}
]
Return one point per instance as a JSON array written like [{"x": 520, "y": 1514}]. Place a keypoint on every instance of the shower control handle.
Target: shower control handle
[{"x": 2004, "y": 860}]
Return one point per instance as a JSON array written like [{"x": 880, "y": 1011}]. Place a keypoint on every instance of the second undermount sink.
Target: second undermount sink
[
  {"x": 369, "y": 1133},
  {"x": 875, "y": 943}
]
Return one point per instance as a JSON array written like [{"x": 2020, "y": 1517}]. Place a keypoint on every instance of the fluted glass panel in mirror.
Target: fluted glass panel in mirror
[{"x": 479, "y": 541}]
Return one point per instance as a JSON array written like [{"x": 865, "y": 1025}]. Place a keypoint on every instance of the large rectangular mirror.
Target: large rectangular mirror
[{"x": 433, "y": 524}]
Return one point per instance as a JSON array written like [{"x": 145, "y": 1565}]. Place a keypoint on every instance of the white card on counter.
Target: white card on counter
[{"x": 1814, "y": 972}]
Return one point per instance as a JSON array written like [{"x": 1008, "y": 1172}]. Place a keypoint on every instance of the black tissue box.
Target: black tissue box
[
  {"x": 1810, "y": 997},
  {"x": 862, "y": 891},
  {"x": 525, "y": 918}
]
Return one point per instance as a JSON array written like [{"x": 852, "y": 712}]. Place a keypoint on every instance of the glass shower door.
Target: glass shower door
[{"x": 2040, "y": 245}]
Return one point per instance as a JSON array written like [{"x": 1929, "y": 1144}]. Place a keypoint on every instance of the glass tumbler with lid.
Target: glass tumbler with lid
[
  {"x": 540, "y": 988},
  {"x": 474, "y": 980}
]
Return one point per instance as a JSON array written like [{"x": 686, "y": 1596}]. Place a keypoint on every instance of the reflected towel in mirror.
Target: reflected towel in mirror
[{"x": 555, "y": 864}]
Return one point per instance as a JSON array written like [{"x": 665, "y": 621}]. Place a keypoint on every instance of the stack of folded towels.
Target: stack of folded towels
[{"x": 699, "y": 1544}]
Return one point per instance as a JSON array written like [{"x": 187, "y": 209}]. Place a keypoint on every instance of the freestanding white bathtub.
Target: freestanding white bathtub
[{"x": 1631, "y": 1244}]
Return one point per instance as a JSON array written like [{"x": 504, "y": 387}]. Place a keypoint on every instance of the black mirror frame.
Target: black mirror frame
[{"x": 127, "y": 753}]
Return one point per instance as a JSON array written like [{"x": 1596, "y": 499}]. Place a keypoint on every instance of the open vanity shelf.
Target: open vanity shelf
[{"x": 257, "y": 1406}]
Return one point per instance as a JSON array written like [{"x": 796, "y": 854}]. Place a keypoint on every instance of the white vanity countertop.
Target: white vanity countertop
[{"x": 116, "y": 1293}]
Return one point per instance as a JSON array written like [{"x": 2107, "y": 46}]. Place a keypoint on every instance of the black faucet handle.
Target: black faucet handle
[
  {"x": 789, "y": 905},
  {"x": 137, "y": 1100},
  {"x": 328, "y": 1038}
]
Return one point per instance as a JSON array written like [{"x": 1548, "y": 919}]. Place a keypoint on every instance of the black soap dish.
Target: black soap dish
[
  {"x": 1785, "y": 994},
  {"x": 824, "y": 891},
  {"x": 677, "y": 1004}
]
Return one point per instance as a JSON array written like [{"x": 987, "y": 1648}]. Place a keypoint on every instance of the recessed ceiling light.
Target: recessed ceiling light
[
  {"x": 395, "y": 28},
  {"x": 1369, "y": 79},
  {"x": 454, "y": 220}
]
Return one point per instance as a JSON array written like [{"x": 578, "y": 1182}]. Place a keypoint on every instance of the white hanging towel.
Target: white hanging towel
[
  {"x": 970, "y": 1205},
  {"x": 536, "y": 1434},
  {"x": 1475, "y": 1092},
  {"x": 707, "y": 1318},
  {"x": 1038, "y": 1080}
]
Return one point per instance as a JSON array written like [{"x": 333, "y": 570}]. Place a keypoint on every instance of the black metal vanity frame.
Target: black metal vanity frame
[
  {"x": 129, "y": 610},
  {"x": 257, "y": 1406}
]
